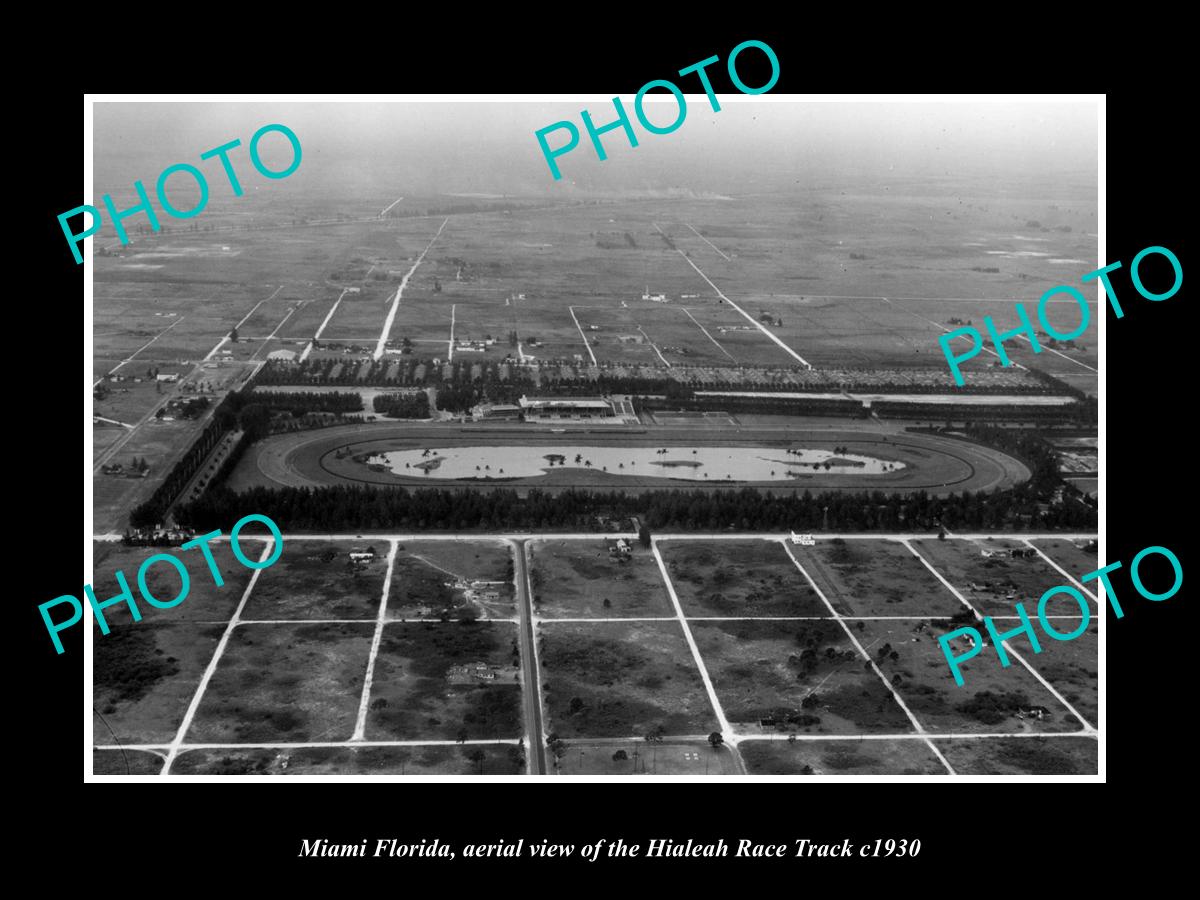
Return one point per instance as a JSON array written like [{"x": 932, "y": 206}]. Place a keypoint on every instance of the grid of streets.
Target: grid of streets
[{"x": 713, "y": 648}]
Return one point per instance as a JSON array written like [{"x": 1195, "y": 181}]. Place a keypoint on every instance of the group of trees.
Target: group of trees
[
  {"x": 302, "y": 402},
  {"x": 402, "y": 406},
  {"x": 746, "y": 509},
  {"x": 794, "y": 406},
  {"x": 1077, "y": 413},
  {"x": 154, "y": 510}
]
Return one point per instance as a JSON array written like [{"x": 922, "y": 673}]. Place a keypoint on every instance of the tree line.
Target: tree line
[{"x": 350, "y": 507}]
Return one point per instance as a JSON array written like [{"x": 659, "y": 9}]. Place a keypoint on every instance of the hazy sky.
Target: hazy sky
[{"x": 490, "y": 147}]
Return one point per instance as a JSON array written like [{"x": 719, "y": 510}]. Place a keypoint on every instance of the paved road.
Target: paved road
[{"x": 530, "y": 680}]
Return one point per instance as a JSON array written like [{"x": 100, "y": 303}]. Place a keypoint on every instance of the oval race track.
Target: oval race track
[{"x": 938, "y": 465}]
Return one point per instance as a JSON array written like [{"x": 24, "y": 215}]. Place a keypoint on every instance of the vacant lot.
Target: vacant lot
[
  {"x": 629, "y": 758},
  {"x": 471, "y": 759},
  {"x": 144, "y": 676},
  {"x": 993, "y": 585},
  {"x": 285, "y": 683},
  {"x": 205, "y": 601},
  {"x": 740, "y": 578},
  {"x": 795, "y": 675},
  {"x": 1077, "y": 561},
  {"x": 989, "y": 699},
  {"x": 413, "y": 697},
  {"x": 875, "y": 578},
  {"x": 620, "y": 679},
  {"x": 902, "y": 757},
  {"x": 125, "y": 762},
  {"x": 1073, "y": 667},
  {"x": 317, "y": 580},
  {"x": 1022, "y": 756},
  {"x": 581, "y": 579},
  {"x": 432, "y": 578}
]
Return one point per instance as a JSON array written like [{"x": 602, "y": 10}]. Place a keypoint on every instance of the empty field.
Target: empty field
[
  {"x": 416, "y": 693},
  {"x": 870, "y": 757},
  {"x": 582, "y": 579},
  {"x": 126, "y": 762},
  {"x": 205, "y": 601},
  {"x": 628, "y": 758},
  {"x": 473, "y": 759},
  {"x": 795, "y": 675},
  {"x": 317, "y": 580},
  {"x": 294, "y": 683},
  {"x": 1077, "y": 561},
  {"x": 1022, "y": 756},
  {"x": 435, "y": 578},
  {"x": 144, "y": 676},
  {"x": 993, "y": 585},
  {"x": 747, "y": 578},
  {"x": 875, "y": 578},
  {"x": 991, "y": 699},
  {"x": 620, "y": 679}
]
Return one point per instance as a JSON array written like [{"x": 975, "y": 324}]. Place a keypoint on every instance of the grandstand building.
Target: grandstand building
[{"x": 566, "y": 408}]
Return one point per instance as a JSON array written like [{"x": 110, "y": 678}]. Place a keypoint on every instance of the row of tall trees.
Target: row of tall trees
[{"x": 349, "y": 507}]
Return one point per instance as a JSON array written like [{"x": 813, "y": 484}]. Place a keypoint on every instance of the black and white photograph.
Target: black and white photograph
[{"x": 510, "y": 438}]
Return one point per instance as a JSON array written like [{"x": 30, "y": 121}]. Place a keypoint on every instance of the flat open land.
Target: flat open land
[
  {"x": 144, "y": 677},
  {"x": 989, "y": 697},
  {"x": 317, "y": 580},
  {"x": 1023, "y": 756},
  {"x": 126, "y": 762},
  {"x": 930, "y": 463},
  {"x": 869, "y": 757},
  {"x": 875, "y": 578},
  {"x": 427, "y": 575},
  {"x": 1076, "y": 561},
  {"x": 764, "y": 670},
  {"x": 413, "y": 698},
  {"x": 999, "y": 582},
  {"x": 578, "y": 579},
  {"x": 606, "y": 679},
  {"x": 205, "y": 601},
  {"x": 618, "y": 679},
  {"x": 665, "y": 757},
  {"x": 750, "y": 578},
  {"x": 285, "y": 683},
  {"x": 431, "y": 759},
  {"x": 1073, "y": 666}
]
